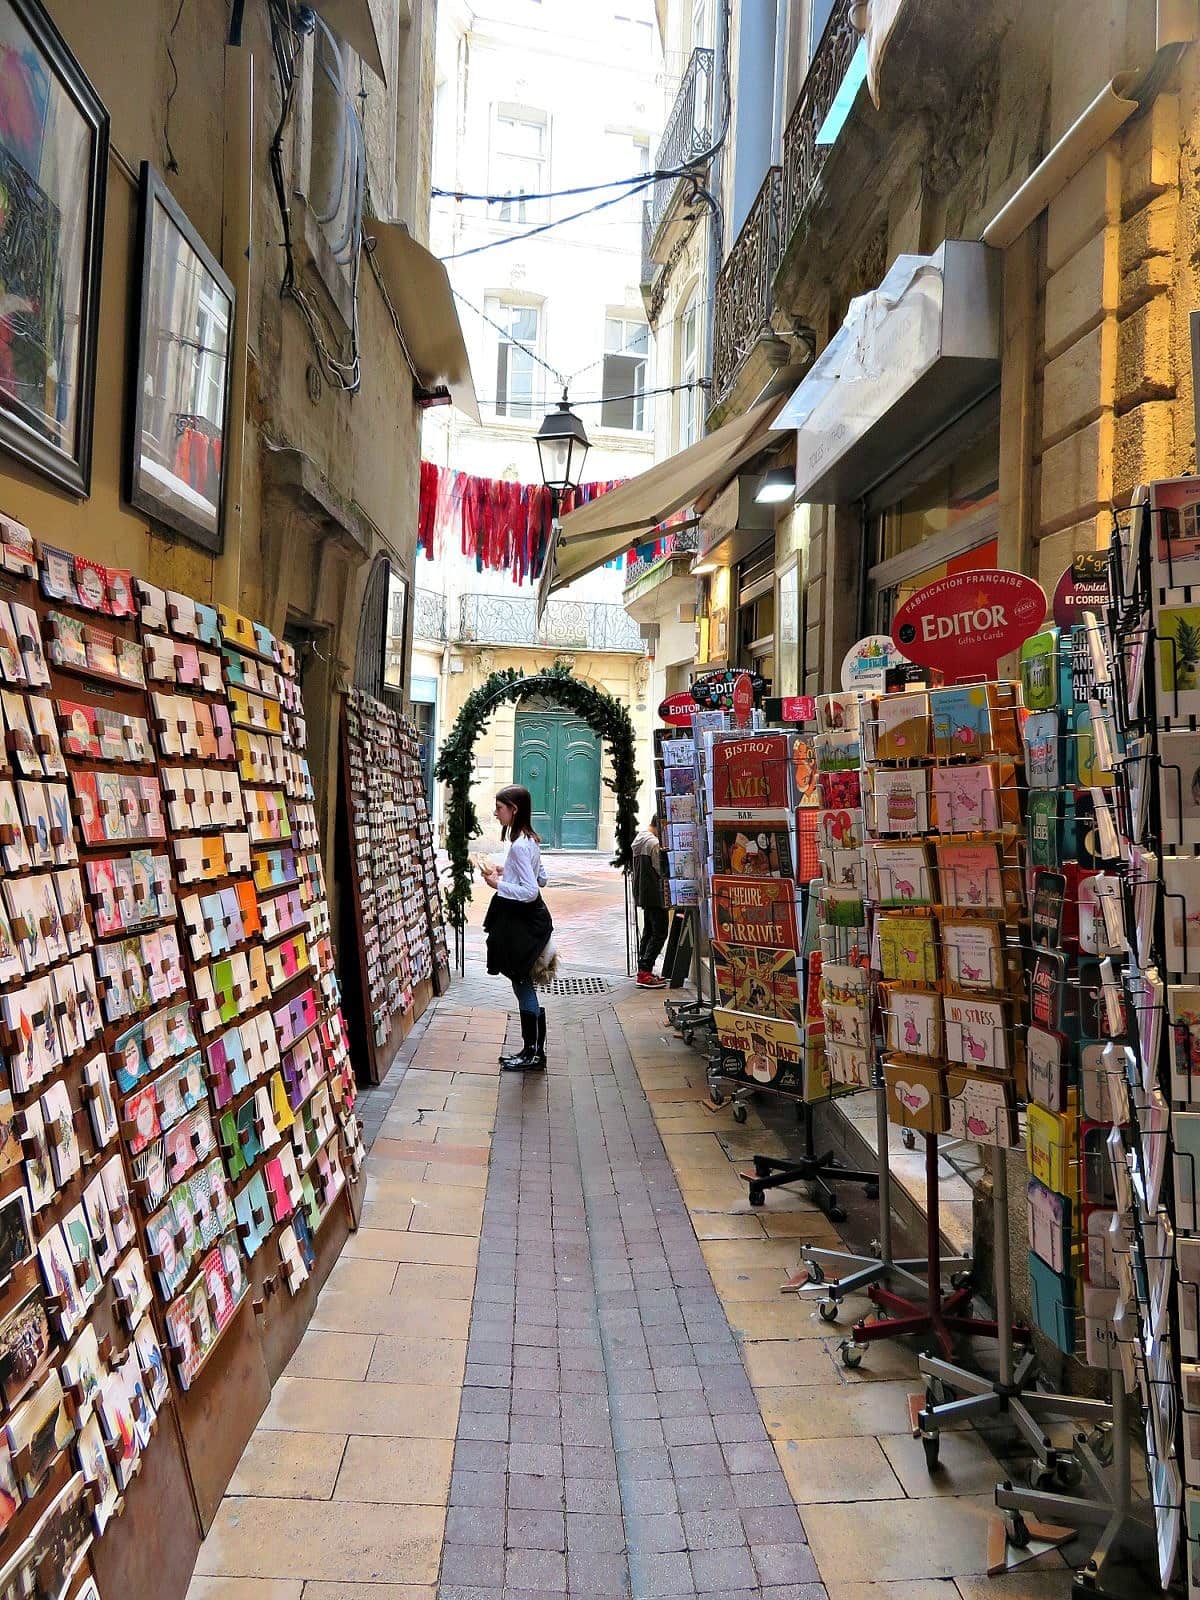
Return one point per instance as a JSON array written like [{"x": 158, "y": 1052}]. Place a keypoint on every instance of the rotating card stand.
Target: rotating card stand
[{"x": 859, "y": 1272}]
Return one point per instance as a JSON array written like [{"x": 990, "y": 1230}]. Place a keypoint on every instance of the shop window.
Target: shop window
[
  {"x": 626, "y": 358},
  {"x": 955, "y": 495}
]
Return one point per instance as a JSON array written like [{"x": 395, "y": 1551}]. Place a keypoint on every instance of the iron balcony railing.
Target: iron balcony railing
[
  {"x": 744, "y": 298},
  {"x": 803, "y": 157},
  {"x": 687, "y": 135},
  {"x": 565, "y": 625},
  {"x": 673, "y": 544},
  {"x": 429, "y": 615}
]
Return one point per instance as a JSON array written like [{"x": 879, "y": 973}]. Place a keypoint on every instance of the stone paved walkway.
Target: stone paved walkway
[{"x": 554, "y": 1362}]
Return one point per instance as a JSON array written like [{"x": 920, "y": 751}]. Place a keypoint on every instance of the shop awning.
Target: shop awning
[
  {"x": 419, "y": 288},
  {"x": 910, "y": 357},
  {"x": 352, "y": 21},
  {"x": 595, "y": 533}
]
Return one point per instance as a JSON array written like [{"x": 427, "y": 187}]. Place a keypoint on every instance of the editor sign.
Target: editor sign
[
  {"x": 961, "y": 625},
  {"x": 678, "y": 709}
]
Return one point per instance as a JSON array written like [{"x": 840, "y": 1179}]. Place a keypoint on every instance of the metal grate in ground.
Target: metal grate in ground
[{"x": 589, "y": 985}]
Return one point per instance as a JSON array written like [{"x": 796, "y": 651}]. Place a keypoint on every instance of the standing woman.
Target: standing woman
[{"x": 518, "y": 924}]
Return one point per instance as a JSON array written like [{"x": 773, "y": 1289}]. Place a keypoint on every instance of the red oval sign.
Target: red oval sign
[
  {"x": 743, "y": 699},
  {"x": 678, "y": 709},
  {"x": 962, "y": 624}
]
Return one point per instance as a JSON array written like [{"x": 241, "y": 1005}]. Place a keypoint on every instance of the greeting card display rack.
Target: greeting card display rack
[
  {"x": 176, "y": 1124},
  {"x": 398, "y": 930},
  {"x": 940, "y": 812},
  {"x": 677, "y": 785},
  {"x": 1145, "y": 1074},
  {"x": 839, "y": 992}
]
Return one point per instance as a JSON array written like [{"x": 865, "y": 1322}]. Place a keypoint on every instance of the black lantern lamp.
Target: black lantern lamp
[{"x": 562, "y": 443}]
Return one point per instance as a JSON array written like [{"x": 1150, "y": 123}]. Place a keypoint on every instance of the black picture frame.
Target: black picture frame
[
  {"x": 176, "y": 456},
  {"x": 49, "y": 336}
]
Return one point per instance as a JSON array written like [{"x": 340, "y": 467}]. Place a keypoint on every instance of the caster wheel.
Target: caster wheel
[
  {"x": 829, "y": 1310},
  {"x": 1068, "y": 1474},
  {"x": 960, "y": 1280},
  {"x": 816, "y": 1272},
  {"x": 739, "y": 1112},
  {"x": 717, "y": 1098},
  {"x": 872, "y": 1191},
  {"x": 837, "y": 1213},
  {"x": 1016, "y": 1531},
  {"x": 852, "y": 1354},
  {"x": 1040, "y": 1477},
  {"x": 908, "y": 1139},
  {"x": 931, "y": 1443},
  {"x": 756, "y": 1196},
  {"x": 688, "y": 1036},
  {"x": 1101, "y": 1444},
  {"x": 761, "y": 1167}
]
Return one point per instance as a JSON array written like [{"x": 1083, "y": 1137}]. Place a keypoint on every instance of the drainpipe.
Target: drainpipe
[{"x": 777, "y": 112}]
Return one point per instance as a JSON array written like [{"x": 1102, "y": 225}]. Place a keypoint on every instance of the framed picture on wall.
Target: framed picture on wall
[
  {"x": 53, "y": 171},
  {"x": 179, "y": 432}
]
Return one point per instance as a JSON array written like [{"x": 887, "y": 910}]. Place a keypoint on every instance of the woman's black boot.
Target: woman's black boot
[
  {"x": 528, "y": 1057},
  {"x": 540, "y": 1043}
]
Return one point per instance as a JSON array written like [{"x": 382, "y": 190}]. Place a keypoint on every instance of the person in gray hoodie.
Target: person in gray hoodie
[{"x": 648, "y": 895}]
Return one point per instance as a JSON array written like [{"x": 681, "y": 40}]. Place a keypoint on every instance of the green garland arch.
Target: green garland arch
[{"x": 608, "y": 719}]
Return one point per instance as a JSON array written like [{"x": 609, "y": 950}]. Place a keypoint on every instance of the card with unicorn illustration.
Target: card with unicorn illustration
[
  {"x": 972, "y": 955},
  {"x": 912, "y": 1022},
  {"x": 977, "y": 1033},
  {"x": 899, "y": 874}
]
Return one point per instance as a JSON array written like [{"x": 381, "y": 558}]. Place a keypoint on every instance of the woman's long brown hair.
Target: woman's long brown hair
[{"x": 517, "y": 796}]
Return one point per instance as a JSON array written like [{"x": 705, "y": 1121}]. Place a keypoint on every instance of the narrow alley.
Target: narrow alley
[{"x": 555, "y": 1359}]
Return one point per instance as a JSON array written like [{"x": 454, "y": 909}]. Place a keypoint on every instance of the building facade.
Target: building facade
[{"x": 530, "y": 101}]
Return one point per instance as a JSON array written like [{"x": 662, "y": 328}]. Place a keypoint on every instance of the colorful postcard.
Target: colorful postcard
[
  {"x": 912, "y": 1021},
  {"x": 966, "y": 798},
  {"x": 916, "y": 1096},
  {"x": 977, "y": 1033},
  {"x": 899, "y": 874},
  {"x": 971, "y": 877},
  {"x": 982, "y": 1109},
  {"x": 897, "y": 800}
]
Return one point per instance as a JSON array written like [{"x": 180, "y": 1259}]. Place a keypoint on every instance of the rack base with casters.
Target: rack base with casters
[
  {"x": 834, "y": 1274},
  {"x": 953, "y": 1392},
  {"x": 1105, "y": 1501},
  {"x": 820, "y": 1170}
]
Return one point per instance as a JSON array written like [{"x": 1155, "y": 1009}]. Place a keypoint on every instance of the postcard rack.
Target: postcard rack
[
  {"x": 1141, "y": 659},
  {"x": 178, "y": 1145},
  {"x": 679, "y": 791},
  {"x": 939, "y": 822}
]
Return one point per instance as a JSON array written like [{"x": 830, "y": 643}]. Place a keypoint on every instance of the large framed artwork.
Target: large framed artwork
[
  {"x": 175, "y": 467},
  {"x": 53, "y": 169}
]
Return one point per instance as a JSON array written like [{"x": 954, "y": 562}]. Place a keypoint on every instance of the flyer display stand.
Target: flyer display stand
[{"x": 177, "y": 1134}]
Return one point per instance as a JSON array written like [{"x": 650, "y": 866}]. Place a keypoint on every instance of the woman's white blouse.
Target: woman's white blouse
[{"x": 523, "y": 875}]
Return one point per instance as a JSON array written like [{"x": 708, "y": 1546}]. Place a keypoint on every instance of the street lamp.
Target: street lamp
[{"x": 562, "y": 444}]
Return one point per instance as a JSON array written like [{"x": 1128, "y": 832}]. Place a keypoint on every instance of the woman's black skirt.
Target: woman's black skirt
[{"x": 517, "y": 933}]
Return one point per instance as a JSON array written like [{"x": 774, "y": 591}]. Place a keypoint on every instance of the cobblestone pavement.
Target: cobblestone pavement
[{"x": 554, "y": 1361}]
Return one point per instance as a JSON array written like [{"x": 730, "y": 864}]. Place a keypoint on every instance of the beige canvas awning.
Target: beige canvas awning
[
  {"x": 419, "y": 288},
  {"x": 352, "y": 21},
  {"x": 593, "y": 534}
]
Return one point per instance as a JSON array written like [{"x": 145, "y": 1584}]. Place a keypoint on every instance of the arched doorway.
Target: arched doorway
[
  {"x": 606, "y": 717},
  {"x": 556, "y": 755}
]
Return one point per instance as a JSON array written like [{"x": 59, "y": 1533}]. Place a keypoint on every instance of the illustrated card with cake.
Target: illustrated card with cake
[
  {"x": 977, "y": 1033},
  {"x": 912, "y": 1022},
  {"x": 897, "y": 800},
  {"x": 981, "y": 1109},
  {"x": 916, "y": 1096}
]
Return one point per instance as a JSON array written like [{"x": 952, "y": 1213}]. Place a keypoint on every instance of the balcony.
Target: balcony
[
  {"x": 566, "y": 625},
  {"x": 686, "y": 137},
  {"x": 429, "y": 616},
  {"x": 803, "y": 157},
  {"x": 671, "y": 545},
  {"x": 745, "y": 299}
]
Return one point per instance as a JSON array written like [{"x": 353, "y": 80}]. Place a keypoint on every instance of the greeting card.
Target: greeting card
[
  {"x": 912, "y": 1022},
  {"x": 916, "y": 1096},
  {"x": 897, "y": 800},
  {"x": 972, "y": 955},
  {"x": 907, "y": 948},
  {"x": 961, "y": 720},
  {"x": 899, "y": 874},
  {"x": 981, "y": 1109},
  {"x": 898, "y": 727},
  {"x": 970, "y": 877},
  {"x": 977, "y": 1033},
  {"x": 1181, "y": 912}
]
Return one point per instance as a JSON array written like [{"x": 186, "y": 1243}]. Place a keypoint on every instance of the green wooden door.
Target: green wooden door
[{"x": 557, "y": 758}]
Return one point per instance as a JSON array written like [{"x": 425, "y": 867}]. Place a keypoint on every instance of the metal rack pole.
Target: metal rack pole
[{"x": 860, "y": 1271}]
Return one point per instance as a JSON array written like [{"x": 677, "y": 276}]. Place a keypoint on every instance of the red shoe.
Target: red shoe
[{"x": 647, "y": 980}]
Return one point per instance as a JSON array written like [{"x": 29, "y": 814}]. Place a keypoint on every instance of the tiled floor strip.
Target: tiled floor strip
[{"x": 610, "y": 1441}]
